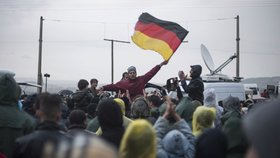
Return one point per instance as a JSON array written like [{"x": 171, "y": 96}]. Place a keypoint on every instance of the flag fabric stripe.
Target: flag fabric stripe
[
  {"x": 147, "y": 42},
  {"x": 160, "y": 33},
  {"x": 161, "y": 36},
  {"x": 171, "y": 26}
]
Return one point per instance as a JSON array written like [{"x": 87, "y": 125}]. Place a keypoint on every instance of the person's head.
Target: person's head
[
  {"x": 94, "y": 82},
  {"x": 125, "y": 76},
  {"x": 77, "y": 117},
  {"x": 139, "y": 140},
  {"x": 48, "y": 107},
  {"x": 231, "y": 104},
  {"x": 209, "y": 97},
  {"x": 80, "y": 146},
  {"x": 195, "y": 71},
  {"x": 203, "y": 118},
  {"x": 29, "y": 104},
  {"x": 82, "y": 84},
  {"x": 9, "y": 90},
  {"x": 109, "y": 114},
  {"x": 155, "y": 100},
  {"x": 211, "y": 143},
  {"x": 140, "y": 108},
  {"x": 177, "y": 144},
  {"x": 262, "y": 128},
  {"x": 132, "y": 74}
]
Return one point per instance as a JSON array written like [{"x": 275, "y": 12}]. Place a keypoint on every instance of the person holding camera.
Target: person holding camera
[{"x": 196, "y": 87}]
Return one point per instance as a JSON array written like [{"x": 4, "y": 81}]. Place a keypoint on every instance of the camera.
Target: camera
[{"x": 172, "y": 84}]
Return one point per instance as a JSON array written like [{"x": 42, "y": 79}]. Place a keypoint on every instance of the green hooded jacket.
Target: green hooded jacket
[{"x": 13, "y": 122}]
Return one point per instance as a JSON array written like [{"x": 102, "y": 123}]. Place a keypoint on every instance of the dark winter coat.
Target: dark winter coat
[
  {"x": 13, "y": 122},
  {"x": 32, "y": 145},
  {"x": 196, "y": 87},
  {"x": 81, "y": 99}
]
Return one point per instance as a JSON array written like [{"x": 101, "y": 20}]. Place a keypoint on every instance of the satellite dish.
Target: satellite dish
[
  {"x": 207, "y": 58},
  {"x": 210, "y": 65}
]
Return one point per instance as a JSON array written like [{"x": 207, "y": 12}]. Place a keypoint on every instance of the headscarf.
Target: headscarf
[{"x": 139, "y": 140}]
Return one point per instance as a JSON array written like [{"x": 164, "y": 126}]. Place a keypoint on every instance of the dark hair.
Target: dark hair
[
  {"x": 155, "y": 100},
  {"x": 82, "y": 84},
  {"x": 123, "y": 74},
  {"x": 109, "y": 114},
  {"x": 49, "y": 105},
  {"x": 93, "y": 80},
  {"x": 77, "y": 117}
]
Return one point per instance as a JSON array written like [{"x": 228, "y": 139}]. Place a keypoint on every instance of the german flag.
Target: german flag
[{"x": 161, "y": 36}]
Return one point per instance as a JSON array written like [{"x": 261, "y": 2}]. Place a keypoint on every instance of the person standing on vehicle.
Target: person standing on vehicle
[
  {"x": 134, "y": 84},
  {"x": 196, "y": 87}
]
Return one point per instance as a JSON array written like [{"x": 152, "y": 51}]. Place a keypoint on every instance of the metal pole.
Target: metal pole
[
  {"x": 46, "y": 86},
  {"x": 39, "y": 77},
  {"x": 112, "y": 61},
  {"x": 112, "y": 56},
  {"x": 237, "y": 47}
]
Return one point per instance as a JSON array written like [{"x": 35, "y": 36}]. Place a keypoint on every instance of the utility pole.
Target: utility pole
[
  {"x": 237, "y": 47},
  {"x": 112, "y": 56},
  {"x": 39, "y": 77}
]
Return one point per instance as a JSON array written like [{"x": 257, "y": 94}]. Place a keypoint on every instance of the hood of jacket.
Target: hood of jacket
[
  {"x": 9, "y": 90},
  {"x": 203, "y": 118},
  {"x": 139, "y": 140},
  {"x": 175, "y": 144},
  {"x": 196, "y": 71}
]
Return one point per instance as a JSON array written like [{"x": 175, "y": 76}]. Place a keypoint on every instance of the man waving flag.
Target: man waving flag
[{"x": 161, "y": 36}]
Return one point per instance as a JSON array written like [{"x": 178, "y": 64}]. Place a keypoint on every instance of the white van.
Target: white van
[
  {"x": 254, "y": 87},
  {"x": 225, "y": 89}
]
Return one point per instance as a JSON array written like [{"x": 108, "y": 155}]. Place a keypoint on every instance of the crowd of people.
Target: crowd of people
[{"x": 133, "y": 123}]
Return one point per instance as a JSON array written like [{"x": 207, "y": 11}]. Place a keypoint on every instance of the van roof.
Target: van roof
[{"x": 225, "y": 89}]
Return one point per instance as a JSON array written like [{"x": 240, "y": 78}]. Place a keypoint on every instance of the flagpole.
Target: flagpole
[{"x": 112, "y": 56}]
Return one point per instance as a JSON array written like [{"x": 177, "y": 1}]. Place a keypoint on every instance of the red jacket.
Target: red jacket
[{"x": 136, "y": 86}]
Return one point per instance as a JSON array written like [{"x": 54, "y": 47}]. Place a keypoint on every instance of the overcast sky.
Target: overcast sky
[{"x": 74, "y": 32}]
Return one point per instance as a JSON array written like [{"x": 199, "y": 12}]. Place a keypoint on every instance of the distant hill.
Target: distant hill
[{"x": 55, "y": 86}]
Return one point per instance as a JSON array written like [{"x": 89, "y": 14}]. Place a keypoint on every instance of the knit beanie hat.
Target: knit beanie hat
[{"x": 131, "y": 68}]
